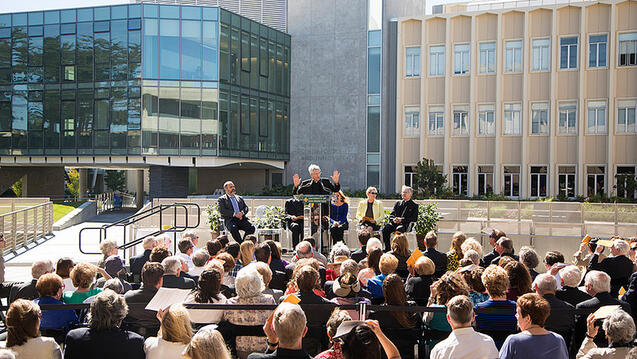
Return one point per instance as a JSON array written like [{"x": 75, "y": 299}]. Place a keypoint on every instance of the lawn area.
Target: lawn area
[{"x": 61, "y": 209}]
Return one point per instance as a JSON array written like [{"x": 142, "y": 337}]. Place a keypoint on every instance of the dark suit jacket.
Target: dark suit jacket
[
  {"x": 497, "y": 259},
  {"x": 489, "y": 257},
  {"x": 590, "y": 306},
  {"x": 103, "y": 344},
  {"x": 572, "y": 295},
  {"x": 323, "y": 186},
  {"x": 439, "y": 259},
  {"x": 137, "y": 262},
  {"x": 407, "y": 210},
  {"x": 171, "y": 281},
  {"x": 619, "y": 268},
  {"x": 417, "y": 288},
  {"x": 630, "y": 296},
  {"x": 24, "y": 291},
  {"x": 294, "y": 207},
  {"x": 562, "y": 317},
  {"x": 226, "y": 209},
  {"x": 359, "y": 254},
  {"x": 138, "y": 316}
]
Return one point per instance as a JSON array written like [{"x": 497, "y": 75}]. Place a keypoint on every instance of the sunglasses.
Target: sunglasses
[{"x": 373, "y": 192}]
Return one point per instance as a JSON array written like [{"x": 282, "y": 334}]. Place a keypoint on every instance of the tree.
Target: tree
[
  {"x": 73, "y": 183},
  {"x": 428, "y": 181},
  {"x": 115, "y": 180}
]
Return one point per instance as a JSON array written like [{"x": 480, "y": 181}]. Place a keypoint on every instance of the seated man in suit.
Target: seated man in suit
[
  {"x": 571, "y": 276},
  {"x": 561, "y": 319},
  {"x": 405, "y": 212},
  {"x": 234, "y": 211},
  {"x": 141, "y": 321},
  {"x": 494, "y": 236},
  {"x": 504, "y": 247},
  {"x": 137, "y": 262},
  {"x": 27, "y": 290},
  {"x": 439, "y": 258},
  {"x": 172, "y": 279},
  {"x": 618, "y": 266},
  {"x": 294, "y": 219}
]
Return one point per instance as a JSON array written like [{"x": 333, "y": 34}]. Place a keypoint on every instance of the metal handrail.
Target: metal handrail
[{"x": 30, "y": 228}]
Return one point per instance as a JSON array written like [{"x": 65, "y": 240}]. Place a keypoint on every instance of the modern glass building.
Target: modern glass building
[{"x": 143, "y": 80}]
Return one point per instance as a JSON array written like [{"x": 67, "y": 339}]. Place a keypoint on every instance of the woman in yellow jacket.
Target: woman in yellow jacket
[{"x": 370, "y": 213}]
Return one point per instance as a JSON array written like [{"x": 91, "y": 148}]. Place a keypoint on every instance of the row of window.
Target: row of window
[
  {"x": 513, "y": 54},
  {"x": 512, "y": 122},
  {"x": 538, "y": 180}
]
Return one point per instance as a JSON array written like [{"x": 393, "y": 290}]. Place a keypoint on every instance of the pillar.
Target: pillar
[
  {"x": 140, "y": 189},
  {"x": 83, "y": 181}
]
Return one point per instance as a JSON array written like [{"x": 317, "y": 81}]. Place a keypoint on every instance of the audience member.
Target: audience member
[
  {"x": 519, "y": 280},
  {"x": 365, "y": 341},
  {"x": 496, "y": 282},
  {"x": 266, "y": 274},
  {"x": 630, "y": 296},
  {"x": 387, "y": 266},
  {"x": 50, "y": 287},
  {"x": 404, "y": 213},
  {"x": 346, "y": 289},
  {"x": 277, "y": 265},
  {"x": 504, "y": 248},
  {"x": 104, "y": 338},
  {"x": 199, "y": 260},
  {"x": 192, "y": 235},
  {"x": 370, "y": 213},
  {"x": 455, "y": 251},
  {"x": 207, "y": 291},
  {"x": 561, "y": 319},
  {"x": 63, "y": 269},
  {"x": 294, "y": 218},
  {"x": 571, "y": 276},
  {"x": 347, "y": 266},
  {"x": 618, "y": 266},
  {"x": 372, "y": 269},
  {"x": 473, "y": 278},
  {"x": 208, "y": 343},
  {"x": 229, "y": 264},
  {"x": 292, "y": 286},
  {"x": 372, "y": 243},
  {"x": 141, "y": 321},
  {"x": 472, "y": 244},
  {"x": 494, "y": 236},
  {"x": 303, "y": 250},
  {"x": 439, "y": 258},
  {"x": 336, "y": 319},
  {"x": 234, "y": 211},
  {"x": 83, "y": 275},
  {"x": 174, "y": 334},
  {"x": 400, "y": 250},
  {"x": 163, "y": 240},
  {"x": 339, "y": 209},
  {"x": 529, "y": 257},
  {"x": 158, "y": 254},
  {"x": 285, "y": 330},
  {"x": 316, "y": 254},
  {"x": 418, "y": 286},
  {"x": 472, "y": 256},
  {"x": 262, "y": 253},
  {"x": 214, "y": 247},
  {"x": 220, "y": 266},
  {"x": 186, "y": 249},
  {"x": 463, "y": 342},
  {"x": 361, "y": 253},
  {"x": 534, "y": 341},
  {"x": 114, "y": 266},
  {"x": 108, "y": 248},
  {"x": 618, "y": 327},
  {"x": 246, "y": 253},
  {"x": 27, "y": 290},
  {"x": 172, "y": 269},
  {"x": 450, "y": 285},
  {"x": 23, "y": 335}
]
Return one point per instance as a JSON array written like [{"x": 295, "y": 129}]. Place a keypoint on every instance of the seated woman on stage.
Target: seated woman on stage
[
  {"x": 370, "y": 213},
  {"x": 338, "y": 217}
]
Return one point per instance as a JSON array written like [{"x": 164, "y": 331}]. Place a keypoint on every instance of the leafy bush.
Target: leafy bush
[
  {"x": 214, "y": 217},
  {"x": 428, "y": 218},
  {"x": 273, "y": 218}
]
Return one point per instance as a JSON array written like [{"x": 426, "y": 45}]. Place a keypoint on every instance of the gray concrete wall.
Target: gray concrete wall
[
  {"x": 328, "y": 89},
  {"x": 81, "y": 214}
]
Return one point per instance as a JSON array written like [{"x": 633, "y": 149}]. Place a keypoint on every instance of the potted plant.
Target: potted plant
[
  {"x": 428, "y": 218},
  {"x": 214, "y": 218},
  {"x": 272, "y": 219}
]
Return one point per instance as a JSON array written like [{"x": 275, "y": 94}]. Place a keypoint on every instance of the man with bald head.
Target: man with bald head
[{"x": 234, "y": 211}]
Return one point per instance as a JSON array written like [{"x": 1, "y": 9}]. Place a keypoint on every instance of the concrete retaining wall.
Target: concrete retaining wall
[{"x": 81, "y": 214}]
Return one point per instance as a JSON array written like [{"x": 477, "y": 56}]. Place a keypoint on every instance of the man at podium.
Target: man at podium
[{"x": 316, "y": 184}]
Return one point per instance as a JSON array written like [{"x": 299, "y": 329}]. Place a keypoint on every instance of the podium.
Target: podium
[{"x": 313, "y": 210}]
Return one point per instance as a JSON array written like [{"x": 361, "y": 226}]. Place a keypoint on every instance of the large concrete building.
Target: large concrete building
[{"x": 527, "y": 102}]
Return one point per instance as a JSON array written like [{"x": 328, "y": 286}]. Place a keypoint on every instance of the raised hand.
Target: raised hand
[
  {"x": 335, "y": 176},
  {"x": 296, "y": 179}
]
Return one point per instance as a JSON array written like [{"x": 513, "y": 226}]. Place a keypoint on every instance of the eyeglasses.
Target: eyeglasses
[{"x": 373, "y": 192}]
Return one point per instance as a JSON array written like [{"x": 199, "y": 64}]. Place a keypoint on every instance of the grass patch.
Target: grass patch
[{"x": 63, "y": 208}]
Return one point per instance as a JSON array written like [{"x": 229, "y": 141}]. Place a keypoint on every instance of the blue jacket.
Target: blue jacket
[
  {"x": 55, "y": 319},
  {"x": 339, "y": 213},
  {"x": 375, "y": 285}
]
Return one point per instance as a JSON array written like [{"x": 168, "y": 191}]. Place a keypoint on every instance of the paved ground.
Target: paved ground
[{"x": 64, "y": 244}]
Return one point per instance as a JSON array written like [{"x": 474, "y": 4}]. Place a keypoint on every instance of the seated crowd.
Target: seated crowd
[{"x": 487, "y": 306}]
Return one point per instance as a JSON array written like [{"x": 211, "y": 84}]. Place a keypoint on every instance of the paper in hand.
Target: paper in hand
[
  {"x": 605, "y": 311},
  {"x": 414, "y": 257},
  {"x": 165, "y": 297}
]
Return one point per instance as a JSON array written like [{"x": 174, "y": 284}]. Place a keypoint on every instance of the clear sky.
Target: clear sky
[{"x": 32, "y": 5}]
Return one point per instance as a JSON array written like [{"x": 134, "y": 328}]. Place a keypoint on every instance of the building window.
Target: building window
[
  {"x": 436, "y": 121},
  {"x": 566, "y": 181},
  {"x": 568, "y": 52},
  {"x": 412, "y": 62},
  {"x": 485, "y": 180},
  {"x": 459, "y": 180},
  {"x": 512, "y": 118},
  {"x": 513, "y": 56},
  {"x": 568, "y": 118},
  {"x": 626, "y": 181},
  {"x": 540, "y": 118},
  {"x": 597, "y": 50},
  {"x": 541, "y": 50},
  {"x": 437, "y": 60},
  {"x": 511, "y": 181},
  {"x": 628, "y": 49},
  {"x": 487, "y": 58},
  {"x": 412, "y": 122},
  {"x": 595, "y": 176},
  {"x": 410, "y": 176},
  {"x": 486, "y": 120},
  {"x": 626, "y": 116},
  {"x": 461, "y": 58},
  {"x": 596, "y": 122},
  {"x": 539, "y": 181},
  {"x": 460, "y": 125}
]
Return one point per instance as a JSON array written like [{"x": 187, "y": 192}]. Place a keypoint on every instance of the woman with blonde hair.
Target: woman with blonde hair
[
  {"x": 174, "y": 334},
  {"x": 338, "y": 217},
  {"x": 83, "y": 275},
  {"x": 455, "y": 251},
  {"x": 208, "y": 343},
  {"x": 246, "y": 253},
  {"x": 400, "y": 249},
  {"x": 370, "y": 213},
  {"x": 23, "y": 335}
]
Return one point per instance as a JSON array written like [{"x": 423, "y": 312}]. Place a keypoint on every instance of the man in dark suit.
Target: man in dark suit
[
  {"x": 494, "y": 235},
  {"x": 303, "y": 250},
  {"x": 618, "y": 266},
  {"x": 172, "y": 279},
  {"x": 294, "y": 219},
  {"x": 405, "y": 212},
  {"x": 316, "y": 184},
  {"x": 439, "y": 258},
  {"x": 27, "y": 290},
  {"x": 561, "y": 319},
  {"x": 137, "y": 262},
  {"x": 287, "y": 341},
  {"x": 141, "y": 321},
  {"x": 234, "y": 211},
  {"x": 504, "y": 247},
  {"x": 570, "y": 276},
  {"x": 597, "y": 284},
  {"x": 361, "y": 253},
  {"x": 630, "y": 296}
]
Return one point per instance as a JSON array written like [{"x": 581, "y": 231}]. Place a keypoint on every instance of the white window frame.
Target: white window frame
[
  {"x": 412, "y": 61},
  {"x": 597, "y": 45},
  {"x": 595, "y": 178},
  {"x": 512, "y": 124},
  {"x": 438, "y": 128},
  {"x": 459, "y": 176},
  {"x": 512, "y": 175},
  {"x": 437, "y": 60},
  {"x": 411, "y": 122},
  {"x": 569, "y": 50},
  {"x": 487, "y": 57},
  {"x": 599, "y": 113},
  {"x": 484, "y": 191},
  {"x": 539, "y": 194},
  {"x": 629, "y": 40},
  {"x": 541, "y": 55},
  {"x": 513, "y": 62},
  {"x": 460, "y": 130},
  {"x": 567, "y": 176},
  {"x": 569, "y": 110},
  {"x": 627, "y": 106},
  {"x": 462, "y": 59},
  {"x": 540, "y": 106},
  {"x": 486, "y": 126},
  {"x": 617, "y": 179}
]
